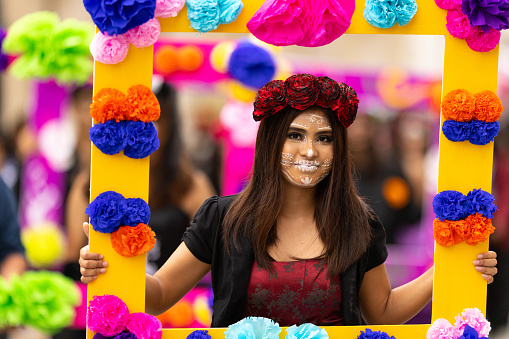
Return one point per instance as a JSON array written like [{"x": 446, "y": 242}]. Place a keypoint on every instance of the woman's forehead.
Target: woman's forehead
[{"x": 312, "y": 118}]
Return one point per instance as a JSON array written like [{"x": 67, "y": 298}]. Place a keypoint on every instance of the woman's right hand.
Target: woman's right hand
[{"x": 91, "y": 264}]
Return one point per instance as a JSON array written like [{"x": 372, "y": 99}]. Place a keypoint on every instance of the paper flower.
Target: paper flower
[
  {"x": 450, "y": 205},
  {"x": 445, "y": 233},
  {"x": 306, "y": 331},
  {"x": 480, "y": 229},
  {"x": 145, "y": 106},
  {"x": 483, "y": 42},
  {"x": 109, "y": 137},
  {"x": 474, "y": 318},
  {"x": 459, "y": 105},
  {"x": 203, "y": 14},
  {"x": 251, "y": 64},
  {"x": 107, "y": 315},
  {"x": 448, "y": 4},
  {"x": 470, "y": 333},
  {"x": 3, "y": 57},
  {"x": 109, "y": 104},
  {"x": 405, "y": 11},
  {"x": 144, "y": 326},
  {"x": 487, "y": 14},
  {"x": 123, "y": 335},
  {"x": 369, "y": 334},
  {"x": 253, "y": 328},
  {"x": 144, "y": 35},
  {"x": 457, "y": 130},
  {"x": 137, "y": 212},
  {"x": 229, "y": 10},
  {"x": 457, "y": 24},
  {"x": 488, "y": 106},
  {"x": 130, "y": 241},
  {"x": 380, "y": 13},
  {"x": 483, "y": 132},
  {"x": 301, "y": 91},
  {"x": 481, "y": 202},
  {"x": 270, "y": 99},
  {"x": 199, "y": 334},
  {"x": 142, "y": 139},
  {"x": 11, "y": 313},
  {"x": 118, "y": 16},
  {"x": 107, "y": 211},
  {"x": 441, "y": 329},
  {"x": 168, "y": 8}
]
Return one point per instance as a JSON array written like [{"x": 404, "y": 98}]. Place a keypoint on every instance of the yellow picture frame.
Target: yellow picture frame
[{"x": 462, "y": 167}]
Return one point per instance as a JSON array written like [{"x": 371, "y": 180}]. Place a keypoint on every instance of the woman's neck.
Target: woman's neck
[{"x": 297, "y": 201}]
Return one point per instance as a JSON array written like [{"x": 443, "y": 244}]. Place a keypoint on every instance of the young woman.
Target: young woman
[{"x": 298, "y": 244}]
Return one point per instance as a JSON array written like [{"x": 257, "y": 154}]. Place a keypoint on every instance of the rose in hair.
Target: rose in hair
[
  {"x": 301, "y": 91},
  {"x": 269, "y": 100}
]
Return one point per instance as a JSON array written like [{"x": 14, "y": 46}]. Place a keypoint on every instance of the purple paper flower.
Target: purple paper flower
[
  {"x": 369, "y": 334},
  {"x": 107, "y": 315},
  {"x": 137, "y": 212},
  {"x": 483, "y": 132},
  {"x": 487, "y": 13},
  {"x": 252, "y": 65},
  {"x": 107, "y": 211},
  {"x": 481, "y": 202},
  {"x": 109, "y": 137},
  {"x": 451, "y": 205},
  {"x": 457, "y": 130},
  {"x": 123, "y": 335},
  {"x": 3, "y": 57},
  {"x": 119, "y": 16},
  {"x": 142, "y": 139},
  {"x": 199, "y": 334},
  {"x": 470, "y": 333}
]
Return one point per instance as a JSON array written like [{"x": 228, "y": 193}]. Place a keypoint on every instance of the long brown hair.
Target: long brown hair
[{"x": 341, "y": 216}]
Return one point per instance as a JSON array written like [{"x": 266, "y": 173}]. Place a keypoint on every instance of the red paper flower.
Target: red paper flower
[
  {"x": 269, "y": 100},
  {"x": 301, "y": 91},
  {"x": 329, "y": 91},
  {"x": 488, "y": 106}
]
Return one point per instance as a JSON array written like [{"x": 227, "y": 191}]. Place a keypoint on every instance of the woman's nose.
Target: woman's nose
[{"x": 308, "y": 149}]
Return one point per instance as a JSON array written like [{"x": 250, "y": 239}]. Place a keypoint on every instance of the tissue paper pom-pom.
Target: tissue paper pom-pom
[
  {"x": 369, "y": 334},
  {"x": 448, "y": 4},
  {"x": 405, "y": 11},
  {"x": 483, "y": 42},
  {"x": 144, "y": 103},
  {"x": 107, "y": 314},
  {"x": 475, "y": 319},
  {"x": 481, "y": 202},
  {"x": 44, "y": 244},
  {"x": 166, "y": 60},
  {"x": 3, "y": 57},
  {"x": 168, "y": 8},
  {"x": 107, "y": 211},
  {"x": 145, "y": 326},
  {"x": 457, "y": 24},
  {"x": 144, "y": 35},
  {"x": 203, "y": 14},
  {"x": 442, "y": 233},
  {"x": 270, "y": 99},
  {"x": 199, "y": 334},
  {"x": 306, "y": 331},
  {"x": 109, "y": 104},
  {"x": 486, "y": 14},
  {"x": 129, "y": 241},
  {"x": 450, "y": 205},
  {"x": 441, "y": 329},
  {"x": 459, "y": 105},
  {"x": 229, "y": 10},
  {"x": 457, "y": 130},
  {"x": 109, "y": 137},
  {"x": 252, "y": 65},
  {"x": 483, "y": 132},
  {"x": 470, "y": 333},
  {"x": 253, "y": 327},
  {"x": 137, "y": 212},
  {"x": 119, "y": 16},
  {"x": 480, "y": 229},
  {"x": 380, "y": 13},
  {"x": 488, "y": 106},
  {"x": 109, "y": 49},
  {"x": 11, "y": 313},
  {"x": 123, "y": 335},
  {"x": 142, "y": 139},
  {"x": 189, "y": 58}
]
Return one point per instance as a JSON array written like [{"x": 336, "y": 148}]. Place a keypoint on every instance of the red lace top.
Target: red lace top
[{"x": 296, "y": 292}]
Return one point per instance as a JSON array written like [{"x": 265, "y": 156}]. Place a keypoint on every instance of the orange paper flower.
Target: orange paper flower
[
  {"x": 443, "y": 233},
  {"x": 488, "y": 106},
  {"x": 459, "y": 105},
  {"x": 480, "y": 228},
  {"x": 109, "y": 104},
  {"x": 145, "y": 105},
  {"x": 132, "y": 241}
]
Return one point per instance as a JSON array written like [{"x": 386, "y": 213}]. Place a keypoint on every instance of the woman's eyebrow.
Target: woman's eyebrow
[{"x": 297, "y": 129}]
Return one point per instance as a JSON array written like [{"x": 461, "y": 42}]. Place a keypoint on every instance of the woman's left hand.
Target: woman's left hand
[{"x": 485, "y": 264}]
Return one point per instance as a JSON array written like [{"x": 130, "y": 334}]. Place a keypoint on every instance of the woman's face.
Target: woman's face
[{"x": 308, "y": 150}]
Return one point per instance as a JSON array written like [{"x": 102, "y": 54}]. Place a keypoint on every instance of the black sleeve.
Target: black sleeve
[
  {"x": 201, "y": 235},
  {"x": 377, "y": 252},
  {"x": 10, "y": 241}
]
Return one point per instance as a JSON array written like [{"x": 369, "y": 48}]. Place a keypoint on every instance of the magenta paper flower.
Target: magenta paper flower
[
  {"x": 145, "y": 326},
  {"x": 107, "y": 315}
]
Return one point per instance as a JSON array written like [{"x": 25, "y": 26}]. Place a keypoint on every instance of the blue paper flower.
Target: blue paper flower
[
  {"x": 481, "y": 202},
  {"x": 203, "y": 14},
  {"x": 118, "y": 16},
  {"x": 380, "y": 13},
  {"x": 3, "y": 57},
  {"x": 137, "y": 212},
  {"x": 487, "y": 13},
  {"x": 199, "y": 334},
  {"x": 229, "y": 10},
  {"x": 369, "y": 334},
  {"x": 107, "y": 211},
  {"x": 405, "y": 11},
  {"x": 123, "y": 335},
  {"x": 142, "y": 139},
  {"x": 483, "y": 132},
  {"x": 252, "y": 65},
  {"x": 451, "y": 205},
  {"x": 109, "y": 137},
  {"x": 306, "y": 331},
  {"x": 470, "y": 333},
  {"x": 457, "y": 130},
  {"x": 253, "y": 328}
]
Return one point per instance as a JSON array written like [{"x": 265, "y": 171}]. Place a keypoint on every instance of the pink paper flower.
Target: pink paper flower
[
  {"x": 144, "y": 35},
  {"x": 441, "y": 329},
  {"x": 109, "y": 49},
  {"x": 474, "y": 318},
  {"x": 448, "y": 4},
  {"x": 483, "y": 42},
  {"x": 107, "y": 315},
  {"x": 144, "y": 326},
  {"x": 168, "y": 8},
  {"x": 457, "y": 24}
]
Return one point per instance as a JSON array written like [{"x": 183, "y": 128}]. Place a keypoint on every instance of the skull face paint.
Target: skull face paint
[{"x": 308, "y": 150}]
